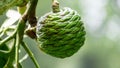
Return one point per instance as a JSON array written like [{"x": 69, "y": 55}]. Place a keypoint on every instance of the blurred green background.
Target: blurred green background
[{"x": 102, "y": 47}]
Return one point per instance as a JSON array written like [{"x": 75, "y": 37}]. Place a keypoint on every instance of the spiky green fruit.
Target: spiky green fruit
[{"x": 61, "y": 34}]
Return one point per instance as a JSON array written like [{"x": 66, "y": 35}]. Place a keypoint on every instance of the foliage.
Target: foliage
[{"x": 11, "y": 35}]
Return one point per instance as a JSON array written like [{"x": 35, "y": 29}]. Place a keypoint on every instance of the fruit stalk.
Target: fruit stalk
[{"x": 55, "y": 6}]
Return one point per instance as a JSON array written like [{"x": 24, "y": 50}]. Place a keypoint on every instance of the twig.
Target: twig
[
  {"x": 8, "y": 38},
  {"x": 32, "y": 13},
  {"x": 11, "y": 55},
  {"x": 30, "y": 54},
  {"x": 17, "y": 51},
  {"x": 21, "y": 28}
]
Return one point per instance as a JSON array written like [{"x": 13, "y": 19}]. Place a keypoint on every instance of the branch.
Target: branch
[
  {"x": 19, "y": 32},
  {"x": 32, "y": 19},
  {"x": 32, "y": 13},
  {"x": 21, "y": 28}
]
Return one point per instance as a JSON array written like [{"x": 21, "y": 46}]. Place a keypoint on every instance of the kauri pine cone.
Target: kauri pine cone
[{"x": 61, "y": 34}]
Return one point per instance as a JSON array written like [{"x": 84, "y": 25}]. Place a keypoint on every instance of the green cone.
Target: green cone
[{"x": 61, "y": 34}]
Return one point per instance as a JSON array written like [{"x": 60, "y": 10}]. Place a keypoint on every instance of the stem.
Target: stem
[
  {"x": 11, "y": 55},
  {"x": 7, "y": 52},
  {"x": 2, "y": 34},
  {"x": 55, "y": 6},
  {"x": 29, "y": 12},
  {"x": 17, "y": 51},
  {"x": 30, "y": 54},
  {"x": 19, "y": 32},
  {"x": 32, "y": 19},
  {"x": 32, "y": 13},
  {"x": 19, "y": 38},
  {"x": 2, "y": 52},
  {"x": 8, "y": 38},
  {"x": 1, "y": 30}
]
